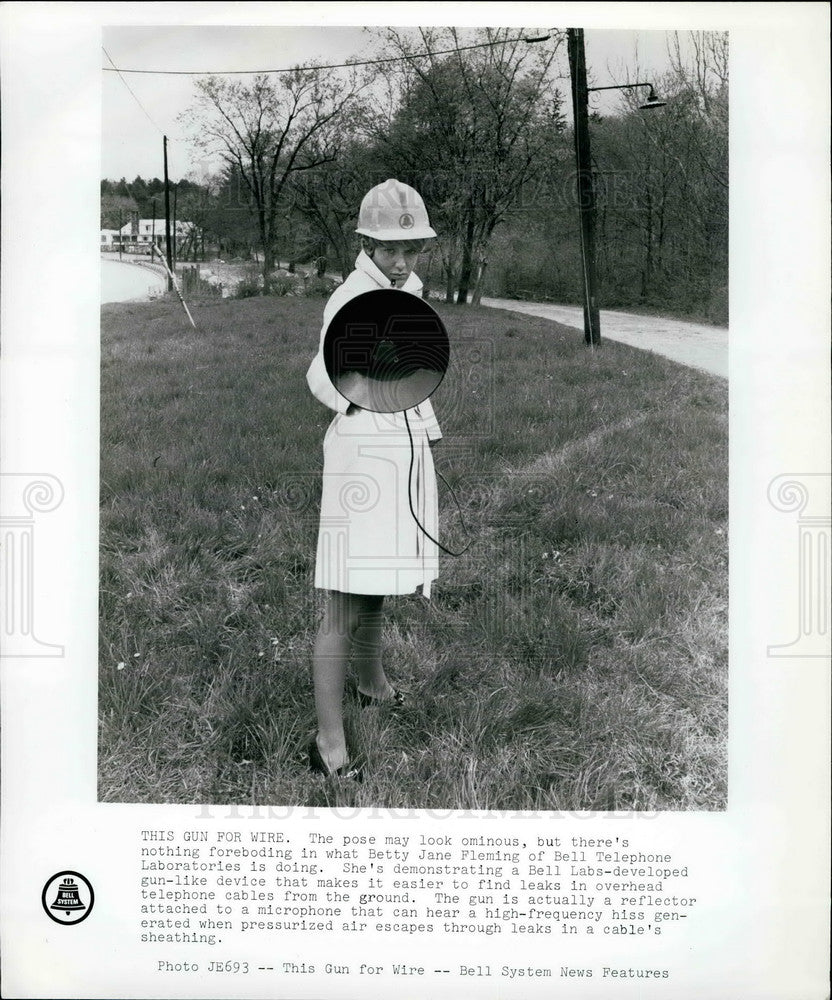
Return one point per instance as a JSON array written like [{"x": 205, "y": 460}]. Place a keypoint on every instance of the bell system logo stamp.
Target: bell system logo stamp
[
  {"x": 406, "y": 220},
  {"x": 67, "y": 898}
]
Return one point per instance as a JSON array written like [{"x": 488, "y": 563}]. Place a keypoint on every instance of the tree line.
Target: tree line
[{"x": 482, "y": 133}]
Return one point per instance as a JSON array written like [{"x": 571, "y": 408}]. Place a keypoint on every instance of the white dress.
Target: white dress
[{"x": 368, "y": 540}]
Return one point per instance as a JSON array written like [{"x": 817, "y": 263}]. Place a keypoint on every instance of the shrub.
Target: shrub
[
  {"x": 194, "y": 285},
  {"x": 320, "y": 288},
  {"x": 247, "y": 289},
  {"x": 249, "y": 285},
  {"x": 285, "y": 284}
]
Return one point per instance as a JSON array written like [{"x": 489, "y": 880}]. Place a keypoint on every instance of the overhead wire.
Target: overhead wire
[
  {"x": 115, "y": 69},
  {"x": 160, "y": 130},
  {"x": 346, "y": 65}
]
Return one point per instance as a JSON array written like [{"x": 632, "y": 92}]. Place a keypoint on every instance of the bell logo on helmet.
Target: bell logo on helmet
[{"x": 391, "y": 207}]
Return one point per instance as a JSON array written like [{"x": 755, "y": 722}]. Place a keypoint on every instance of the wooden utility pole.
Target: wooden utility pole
[
  {"x": 585, "y": 187},
  {"x": 167, "y": 215},
  {"x": 173, "y": 227}
]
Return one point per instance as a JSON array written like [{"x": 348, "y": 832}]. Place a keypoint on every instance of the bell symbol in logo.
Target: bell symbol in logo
[
  {"x": 70, "y": 890},
  {"x": 67, "y": 898},
  {"x": 406, "y": 220}
]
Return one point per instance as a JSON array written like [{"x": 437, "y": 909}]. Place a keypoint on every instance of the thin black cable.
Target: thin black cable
[
  {"x": 410, "y": 498},
  {"x": 456, "y": 501},
  {"x": 346, "y": 65}
]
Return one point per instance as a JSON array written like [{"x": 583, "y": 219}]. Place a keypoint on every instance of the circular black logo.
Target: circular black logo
[
  {"x": 406, "y": 220},
  {"x": 67, "y": 898}
]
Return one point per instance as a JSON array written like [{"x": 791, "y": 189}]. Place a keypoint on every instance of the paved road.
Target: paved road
[
  {"x": 128, "y": 281},
  {"x": 693, "y": 344}
]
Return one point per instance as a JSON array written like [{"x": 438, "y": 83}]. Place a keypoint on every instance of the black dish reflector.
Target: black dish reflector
[{"x": 386, "y": 350}]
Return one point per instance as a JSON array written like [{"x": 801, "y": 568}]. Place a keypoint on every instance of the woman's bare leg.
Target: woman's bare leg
[
  {"x": 352, "y": 623},
  {"x": 366, "y": 649},
  {"x": 329, "y": 669}
]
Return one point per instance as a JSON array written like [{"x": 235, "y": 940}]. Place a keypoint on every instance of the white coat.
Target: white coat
[{"x": 368, "y": 540}]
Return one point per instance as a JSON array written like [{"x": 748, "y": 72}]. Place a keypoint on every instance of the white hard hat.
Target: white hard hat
[{"x": 394, "y": 211}]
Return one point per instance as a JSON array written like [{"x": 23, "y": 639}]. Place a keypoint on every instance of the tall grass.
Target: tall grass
[{"x": 573, "y": 658}]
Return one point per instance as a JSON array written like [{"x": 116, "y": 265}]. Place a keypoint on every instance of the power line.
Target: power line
[
  {"x": 346, "y": 65},
  {"x": 115, "y": 69}
]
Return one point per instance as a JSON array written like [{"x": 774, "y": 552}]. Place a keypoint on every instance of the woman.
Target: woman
[{"x": 369, "y": 544}]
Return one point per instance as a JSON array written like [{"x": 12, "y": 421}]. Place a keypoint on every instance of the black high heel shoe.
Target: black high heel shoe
[
  {"x": 396, "y": 702},
  {"x": 317, "y": 765}
]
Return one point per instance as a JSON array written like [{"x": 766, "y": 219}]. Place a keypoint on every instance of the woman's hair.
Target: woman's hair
[{"x": 368, "y": 244}]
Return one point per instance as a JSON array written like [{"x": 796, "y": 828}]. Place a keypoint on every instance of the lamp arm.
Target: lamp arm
[{"x": 621, "y": 86}]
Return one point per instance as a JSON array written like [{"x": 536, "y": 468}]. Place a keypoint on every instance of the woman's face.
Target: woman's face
[{"x": 396, "y": 260}]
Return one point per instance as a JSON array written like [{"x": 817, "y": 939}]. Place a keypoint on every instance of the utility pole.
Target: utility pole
[
  {"x": 120, "y": 237},
  {"x": 585, "y": 187},
  {"x": 167, "y": 214},
  {"x": 175, "y": 189}
]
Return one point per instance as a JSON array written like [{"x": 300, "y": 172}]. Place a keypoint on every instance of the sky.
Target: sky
[{"x": 133, "y": 123}]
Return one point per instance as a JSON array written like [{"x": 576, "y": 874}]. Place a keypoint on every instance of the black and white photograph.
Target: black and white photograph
[
  {"x": 504, "y": 587},
  {"x": 415, "y": 552}
]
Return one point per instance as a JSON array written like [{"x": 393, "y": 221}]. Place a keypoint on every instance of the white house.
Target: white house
[{"x": 137, "y": 235}]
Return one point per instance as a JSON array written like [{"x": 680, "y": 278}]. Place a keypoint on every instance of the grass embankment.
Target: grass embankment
[{"x": 574, "y": 658}]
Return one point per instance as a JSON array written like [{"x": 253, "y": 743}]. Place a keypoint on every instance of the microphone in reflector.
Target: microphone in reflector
[{"x": 386, "y": 350}]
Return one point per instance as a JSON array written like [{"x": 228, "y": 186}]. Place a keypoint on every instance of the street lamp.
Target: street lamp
[
  {"x": 586, "y": 190},
  {"x": 651, "y": 102}
]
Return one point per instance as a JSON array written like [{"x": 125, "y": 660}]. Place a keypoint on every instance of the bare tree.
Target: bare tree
[
  {"x": 663, "y": 183},
  {"x": 270, "y": 130},
  {"x": 328, "y": 198},
  {"x": 472, "y": 126}
]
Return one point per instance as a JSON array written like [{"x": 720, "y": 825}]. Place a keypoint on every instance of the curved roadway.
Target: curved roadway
[
  {"x": 694, "y": 344},
  {"x": 130, "y": 281}
]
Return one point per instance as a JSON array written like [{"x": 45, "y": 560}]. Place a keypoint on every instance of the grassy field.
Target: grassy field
[{"x": 574, "y": 658}]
